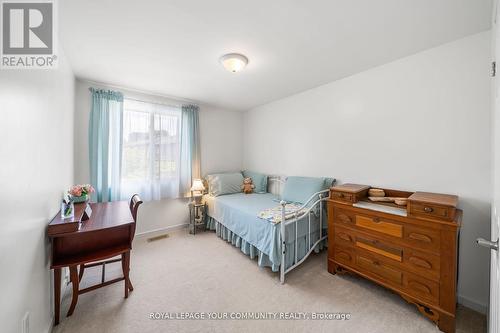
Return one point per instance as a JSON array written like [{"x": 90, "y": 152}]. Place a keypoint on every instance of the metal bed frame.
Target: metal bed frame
[{"x": 298, "y": 215}]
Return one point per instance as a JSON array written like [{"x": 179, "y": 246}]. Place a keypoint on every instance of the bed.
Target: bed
[{"x": 280, "y": 246}]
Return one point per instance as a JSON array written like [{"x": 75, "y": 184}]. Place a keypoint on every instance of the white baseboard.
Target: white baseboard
[
  {"x": 162, "y": 230},
  {"x": 472, "y": 304}
]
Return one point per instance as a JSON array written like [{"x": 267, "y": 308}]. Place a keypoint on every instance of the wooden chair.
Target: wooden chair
[{"x": 134, "y": 204}]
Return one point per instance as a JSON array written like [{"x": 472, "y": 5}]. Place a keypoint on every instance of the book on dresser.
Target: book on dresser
[{"x": 411, "y": 250}]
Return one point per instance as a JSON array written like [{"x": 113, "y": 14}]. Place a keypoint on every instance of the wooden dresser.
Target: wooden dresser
[{"x": 411, "y": 250}]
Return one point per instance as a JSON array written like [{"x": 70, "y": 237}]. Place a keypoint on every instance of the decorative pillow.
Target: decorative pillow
[
  {"x": 224, "y": 183},
  {"x": 300, "y": 189},
  {"x": 259, "y": 180}
]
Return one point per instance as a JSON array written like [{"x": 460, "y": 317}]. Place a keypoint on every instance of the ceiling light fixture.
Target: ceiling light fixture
[{"x": 234, "y": 62}]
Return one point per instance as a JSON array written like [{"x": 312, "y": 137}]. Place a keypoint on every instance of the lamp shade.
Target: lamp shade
[{"x": 197, "y": 185}]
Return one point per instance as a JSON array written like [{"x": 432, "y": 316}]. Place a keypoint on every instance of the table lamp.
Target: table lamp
[{"x": 197, "y": 190}]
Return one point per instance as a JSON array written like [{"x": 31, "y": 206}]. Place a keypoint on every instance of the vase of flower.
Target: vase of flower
[
  {"x": 82, "y": 198},
  {"x": 80, "y": 193}
]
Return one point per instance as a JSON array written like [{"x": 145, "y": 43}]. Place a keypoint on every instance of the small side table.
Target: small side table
[{"x": 197, "y": 216}]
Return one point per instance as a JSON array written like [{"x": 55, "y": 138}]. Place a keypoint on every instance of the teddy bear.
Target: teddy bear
[{"x": 247, "y": 186}]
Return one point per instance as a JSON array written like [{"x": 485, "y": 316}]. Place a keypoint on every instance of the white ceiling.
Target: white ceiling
[{"x": 172, "y": 47}]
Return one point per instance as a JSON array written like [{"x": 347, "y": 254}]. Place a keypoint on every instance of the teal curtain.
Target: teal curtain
[
  {"x": 105, "y": 143},
  {"x": 190, "y": 148}
]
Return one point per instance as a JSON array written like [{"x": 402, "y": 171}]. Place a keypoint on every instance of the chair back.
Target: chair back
[{"x": 134, "y": 204}]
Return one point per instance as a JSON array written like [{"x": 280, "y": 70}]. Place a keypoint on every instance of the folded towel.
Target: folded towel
[{"x": 273, "y": 215}]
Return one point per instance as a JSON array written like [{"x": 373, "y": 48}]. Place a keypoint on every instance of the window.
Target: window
[{"x": 150, "y": 162}]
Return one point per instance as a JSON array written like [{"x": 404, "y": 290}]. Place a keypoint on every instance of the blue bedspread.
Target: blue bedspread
[{"x": 238, "y": 213}]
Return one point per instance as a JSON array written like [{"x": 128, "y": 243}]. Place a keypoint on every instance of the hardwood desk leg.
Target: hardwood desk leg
[
  {"x": 126, "y": 268},
  {"x": 80, "y": 274},
  {"x": 130, "y": 287},
  {"x": 57, "y": 294},
  {"x": 73, "y": 272},
  {"x": 124, "y": 275}
]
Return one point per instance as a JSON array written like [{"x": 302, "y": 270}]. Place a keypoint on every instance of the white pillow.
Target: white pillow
[{"x": 224, "y": 183}]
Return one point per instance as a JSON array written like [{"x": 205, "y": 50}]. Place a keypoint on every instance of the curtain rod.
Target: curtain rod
[
  {"x": 144, "y": 92},
  {"x": 155, "y": 102}
]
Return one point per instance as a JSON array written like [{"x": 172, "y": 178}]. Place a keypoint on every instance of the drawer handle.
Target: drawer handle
[
  {"x": 344, "y": 236},
  {"x": 376, "y": 263},
  {"x": 368, "y": 241},
  {"x": 376, "y": 220},
  {"x": 420, "y": 237},
  {"x": 420, "y": 262},
  {"x": 420, "y": 287},
  {"x": 428, "y": 209}
]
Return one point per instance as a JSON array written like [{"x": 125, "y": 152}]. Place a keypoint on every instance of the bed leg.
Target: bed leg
[
  {"x": 282, "y": 266},
  {"x": 283, "y": 243}
]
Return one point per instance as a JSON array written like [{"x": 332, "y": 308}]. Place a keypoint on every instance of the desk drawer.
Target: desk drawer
[{"x": 381, "y": 225}]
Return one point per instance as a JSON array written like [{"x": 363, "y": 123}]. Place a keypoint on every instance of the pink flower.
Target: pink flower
[
  {"x": 76, "y": 190},
  {"x": 89, "y": 188},
  {"x": 79, "y": 190}
]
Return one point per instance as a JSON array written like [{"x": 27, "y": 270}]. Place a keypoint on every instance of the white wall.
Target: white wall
[
  {"x": 36, "y": 149},
  {"x": 419, "y": 123},
  {"x": 221, "y": 142}
]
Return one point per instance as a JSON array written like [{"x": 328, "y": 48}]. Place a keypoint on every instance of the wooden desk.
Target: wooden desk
[{"x": 107, "y": 233}]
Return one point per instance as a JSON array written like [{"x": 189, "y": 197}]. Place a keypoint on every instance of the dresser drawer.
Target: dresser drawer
[
  {"x": 344, "y": 217},
  {"x": 344, "y": 236},
  {"x": 431, "y": 211},
  {"x": 378, "y": 224},
  {"x": 381, "y": 248},
  {"x": 344, "y": 255},
  {"x": 380, "y": 269},
  {"x": 342, "y": 196},
  {"x": 427, "y": 239},
  {"x": 423, "y": 264},
  {"x": 421, "y": 287},
  {"x": 433, "y": 205}
]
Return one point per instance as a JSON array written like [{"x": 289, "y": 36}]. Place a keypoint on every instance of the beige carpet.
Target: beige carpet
[{"x": 202, "y": 273}]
